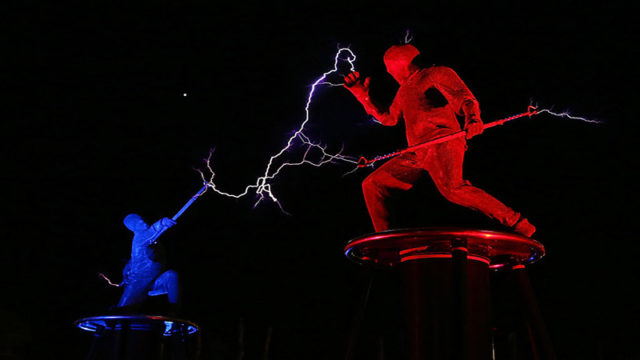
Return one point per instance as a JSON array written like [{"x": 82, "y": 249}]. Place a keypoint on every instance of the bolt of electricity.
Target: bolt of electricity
[
  {"x": 262, "y": 186},
  {"x": 568, "y": 116},
  {"x": 103, "y": 276},
  {"x": 564, "y": 114},
  {"x": 408, "y": 37}
]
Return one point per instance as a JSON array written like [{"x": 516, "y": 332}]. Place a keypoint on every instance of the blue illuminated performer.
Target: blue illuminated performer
[{"x": 145, "y": 273}]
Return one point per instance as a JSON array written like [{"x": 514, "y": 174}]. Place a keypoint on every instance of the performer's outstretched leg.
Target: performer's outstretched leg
[
  {"x": 444, "y": 163},
  {"x": 135, "y": 292},
  {"x": 398, "y": 173},
  {"x": 167, "y": 283}
]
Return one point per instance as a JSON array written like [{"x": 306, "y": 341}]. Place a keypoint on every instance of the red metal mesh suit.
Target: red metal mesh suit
[{"x": 428, "y": 100}]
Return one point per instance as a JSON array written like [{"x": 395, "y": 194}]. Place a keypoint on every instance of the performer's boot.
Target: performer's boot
[{"x": 524, "y": 227}]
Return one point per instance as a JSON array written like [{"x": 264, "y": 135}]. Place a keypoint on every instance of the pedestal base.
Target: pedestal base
[{"x": 445, "y": 277}]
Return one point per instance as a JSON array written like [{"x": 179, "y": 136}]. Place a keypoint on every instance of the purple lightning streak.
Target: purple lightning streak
[
  {"x": 564, "y": 114},
  {"x": 262, "y": 186},
  {"x": 408, "y": 37},
  {"x": 103, "y": 276},
  {"x": 568, "y": 116}
]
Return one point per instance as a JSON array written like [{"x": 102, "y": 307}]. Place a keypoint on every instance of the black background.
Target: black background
[{"x": 97, "y": 127}]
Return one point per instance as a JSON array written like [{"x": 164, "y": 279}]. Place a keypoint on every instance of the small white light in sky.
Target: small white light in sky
[{"x": 184, "y": 94}]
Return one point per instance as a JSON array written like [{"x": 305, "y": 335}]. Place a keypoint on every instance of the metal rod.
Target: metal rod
[
  {"x": 362, "y": 162},
  {"x": 186, "y": 206}
]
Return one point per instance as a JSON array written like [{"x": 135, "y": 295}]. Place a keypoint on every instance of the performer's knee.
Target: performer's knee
[
  {"x": 369, "y": 186},
  {"x": 455, "y": 194},
  {"x": 170, "y": 276}
]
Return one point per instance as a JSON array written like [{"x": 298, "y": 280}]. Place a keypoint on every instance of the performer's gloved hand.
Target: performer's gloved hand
[
  {"x": 359, "y": 87},
  {"x": 167, "y": 222},
  {"x": 473, "y": 127}
]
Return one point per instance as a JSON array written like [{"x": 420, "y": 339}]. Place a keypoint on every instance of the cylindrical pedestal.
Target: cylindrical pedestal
[
  {"x": 447, "y": 308},
  {"x": 446, "y": 284},
  {"x": 538, "y": 337},
  {"x": 140, "y": 337}
]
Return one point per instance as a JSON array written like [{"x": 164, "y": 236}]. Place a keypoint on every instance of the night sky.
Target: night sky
[{"x": 97, "y": 126}]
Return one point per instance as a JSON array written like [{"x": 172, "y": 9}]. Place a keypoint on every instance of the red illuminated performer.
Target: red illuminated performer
[{"x": 428, "y": 100}]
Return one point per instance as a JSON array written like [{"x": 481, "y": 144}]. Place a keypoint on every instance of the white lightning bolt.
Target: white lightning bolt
[
  {"x": 262, "y": 186},
  {"x": 408, "y": 37},
  {"x": 103, "y": 276},
  {"x": 564, "y": 114},
  {"x": 569, "y": 116}
]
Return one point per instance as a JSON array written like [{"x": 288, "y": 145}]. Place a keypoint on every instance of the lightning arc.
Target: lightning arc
[
  {"x": 567, "y": 115},
  {"x": 262, "y": 186},
  {"x": 105, "y": 278}
]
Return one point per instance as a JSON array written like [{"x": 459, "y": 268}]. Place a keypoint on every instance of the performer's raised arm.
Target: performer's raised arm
[
  {"x": 360, "y": 89},
  {"x": 163, "y": 224},
  {"x": 147, "y": 234},
  {"x": 159, "y": 227}
]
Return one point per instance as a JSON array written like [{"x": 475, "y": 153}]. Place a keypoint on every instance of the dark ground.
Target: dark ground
[{"x": 97, "y": 127}]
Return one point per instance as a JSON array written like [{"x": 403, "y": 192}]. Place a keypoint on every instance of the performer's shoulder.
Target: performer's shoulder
[
  {"x": 441, "y": 69},
  {"x": 425, "y": 73},
  {"x": 435, "y": 71},
  {"x": 443, "y": 73}
]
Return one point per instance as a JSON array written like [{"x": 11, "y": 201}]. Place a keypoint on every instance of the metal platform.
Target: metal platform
[
  {"x": 168, "y": 325},
  {"x": 141, "y": 337},
  {"x": 498, "y": 249}
]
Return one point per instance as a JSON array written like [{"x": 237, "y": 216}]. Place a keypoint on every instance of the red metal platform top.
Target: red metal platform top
[{"x": 392, "y": 247}]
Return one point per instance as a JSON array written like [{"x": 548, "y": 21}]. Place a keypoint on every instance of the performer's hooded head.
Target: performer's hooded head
[
  {"x": 398, "y": 60},
  {"x": 134, "y": 222}
]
